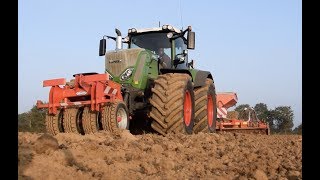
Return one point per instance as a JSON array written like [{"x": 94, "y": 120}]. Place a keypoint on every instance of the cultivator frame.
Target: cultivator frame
[{"x": 86, "y": 89}]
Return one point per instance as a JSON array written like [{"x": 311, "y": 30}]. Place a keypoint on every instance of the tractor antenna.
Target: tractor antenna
[
  {"x": 181, "y": 14},
  {"x": 159, "y": 23}
]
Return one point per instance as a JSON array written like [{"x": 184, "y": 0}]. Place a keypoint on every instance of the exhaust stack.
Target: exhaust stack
[{"x": 118, "y": 40}]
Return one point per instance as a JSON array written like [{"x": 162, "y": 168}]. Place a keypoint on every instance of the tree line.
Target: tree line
[
  {"x": 280, "y": 119},
  {"x": 33, "y": 120}
]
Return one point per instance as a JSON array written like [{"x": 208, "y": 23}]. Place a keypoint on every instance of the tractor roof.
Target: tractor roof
[{"x": 163, "y": 28}]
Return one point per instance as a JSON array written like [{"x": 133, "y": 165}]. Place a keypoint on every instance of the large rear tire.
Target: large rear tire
[
  {"x": 115, "y": 116},
  {"x": 54, "y": 123},
  {"x": 172, "y": 103},
  {"x": 205, "y": 108}
]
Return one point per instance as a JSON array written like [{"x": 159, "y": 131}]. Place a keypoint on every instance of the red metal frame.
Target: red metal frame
[
  {"x": 92, "y": 90},
  {"x": 54, "y": 82},
  {"x": 227, "y": 100}
]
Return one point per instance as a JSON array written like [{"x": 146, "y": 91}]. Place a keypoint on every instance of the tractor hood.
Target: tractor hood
[{"x": 118, "y": 61}]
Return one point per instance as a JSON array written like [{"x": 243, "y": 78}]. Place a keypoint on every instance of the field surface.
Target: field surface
[{"x": 152, "y": 156}]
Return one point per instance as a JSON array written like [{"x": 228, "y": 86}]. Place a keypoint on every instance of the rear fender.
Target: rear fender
[
  {"x": 182, "y": 71},
  {"x": 198, "y": 77}
]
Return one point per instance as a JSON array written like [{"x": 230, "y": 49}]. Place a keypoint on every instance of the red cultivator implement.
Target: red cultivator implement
[
  {"x": 248, "y": 123},
  {"x": 88, "y": 103},
  {"x": 90, "y": 89}
]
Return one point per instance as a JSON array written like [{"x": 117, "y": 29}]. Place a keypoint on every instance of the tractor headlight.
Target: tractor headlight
[
  {"x": 126, "y": 39},
  {"x": 126, "y": 74},
  {"x": 133, "y": 30},
  {"x": 170, "y": 27},
  {"x": 165, "y": 27}
]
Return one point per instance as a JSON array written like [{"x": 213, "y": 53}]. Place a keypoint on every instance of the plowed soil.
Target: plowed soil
[{"x": 152, "y": 156}]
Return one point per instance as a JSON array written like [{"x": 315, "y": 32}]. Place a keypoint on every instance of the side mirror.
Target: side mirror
[
  {"x": 191, "y": 40},
  {"x": 102, "y": 47}
]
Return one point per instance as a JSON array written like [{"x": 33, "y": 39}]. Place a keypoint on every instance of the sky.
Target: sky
[{"x": 253, "y": 48}]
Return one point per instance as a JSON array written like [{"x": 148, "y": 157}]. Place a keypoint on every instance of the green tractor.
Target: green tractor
[{"x": 158, "y": 80}]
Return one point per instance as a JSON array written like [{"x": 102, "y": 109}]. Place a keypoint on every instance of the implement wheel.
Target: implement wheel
[
  {"x": 206, "y": 108},
  {"x": 90, "y": 121},
  {"x": 54, "y": 123},
  {"x": 70, "y": 121},
  {"x": 172, "y": 104},
  {"x": 115, "y": 116}
]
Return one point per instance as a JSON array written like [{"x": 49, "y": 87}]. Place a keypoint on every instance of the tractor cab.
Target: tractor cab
[
  {"x": 166, "y": 39},
  {"x": 150, "y": 52}
]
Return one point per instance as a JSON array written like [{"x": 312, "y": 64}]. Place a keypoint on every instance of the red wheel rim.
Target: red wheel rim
[
  {"x": 210, "y": 110},
  {"x": 187, "y": 108}
]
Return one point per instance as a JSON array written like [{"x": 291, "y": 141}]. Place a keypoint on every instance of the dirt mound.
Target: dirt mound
[{"x": 150, "y": 156}]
